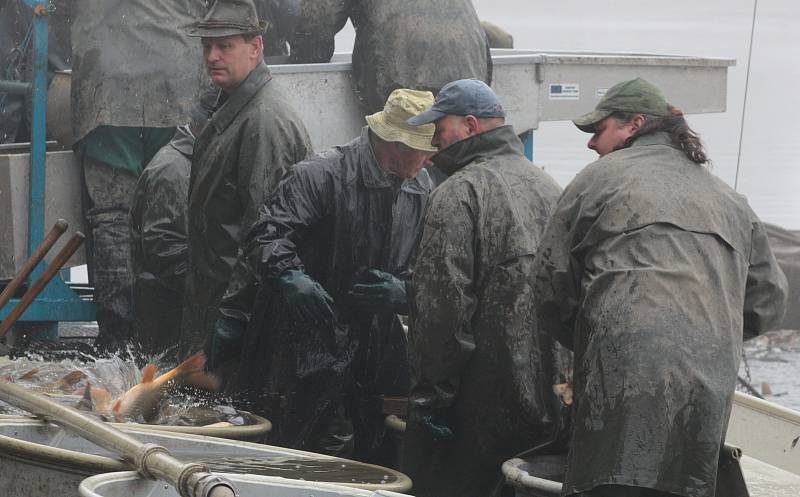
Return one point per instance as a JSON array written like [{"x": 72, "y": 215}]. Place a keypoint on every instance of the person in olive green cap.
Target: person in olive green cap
[
  {"x": 631, "y": 98},
  {"x": 239, "y": 157},
  {"x": 331, "y": 250},
  {"x": 651, "y": 270}
]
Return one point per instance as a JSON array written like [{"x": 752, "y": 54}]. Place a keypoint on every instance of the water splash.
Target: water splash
[{"x": 116, "y": 375}]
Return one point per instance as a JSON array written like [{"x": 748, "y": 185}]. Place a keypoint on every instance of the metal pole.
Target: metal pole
[
  {"x": 38, "y": 130},
  {"x": 15, "y": 87},
  {"x": 152, "y": 461},
  {"x": 746, "y": 90}
]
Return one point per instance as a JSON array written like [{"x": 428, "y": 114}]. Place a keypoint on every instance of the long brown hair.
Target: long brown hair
[{"x": 675, "y": 125}]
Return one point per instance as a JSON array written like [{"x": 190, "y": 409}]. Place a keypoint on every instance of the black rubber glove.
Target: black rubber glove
[
  {"x": 226, "y": 342},
  {"x": 306, "y": 300},
  {"x": 378, "y": 291}
]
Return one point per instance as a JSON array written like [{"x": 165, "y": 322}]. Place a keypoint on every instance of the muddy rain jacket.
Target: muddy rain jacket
[
  {"x": 478, "y": 360},
  {"x": 132, "y": 65},
  {"x": 415, "y": 44},
  {"x": 239, "y": 158},
  {"x": 313, "y": 38},
  {"x": 651, "y": 269},
  {"x": 332, "y": 216}
]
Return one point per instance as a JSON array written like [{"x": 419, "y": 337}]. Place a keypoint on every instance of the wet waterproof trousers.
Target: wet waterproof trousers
[
  {"x": 108, "y": 192},
  {"x": 441, "y": 467}
]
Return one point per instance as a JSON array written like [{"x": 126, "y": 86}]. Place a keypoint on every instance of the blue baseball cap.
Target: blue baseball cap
[{"x": 465, "y": 97}]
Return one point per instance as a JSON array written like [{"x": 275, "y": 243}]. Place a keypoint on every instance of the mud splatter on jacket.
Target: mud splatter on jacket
[
  {"x": 415, "y": 44},
  {"x": 651, "y": 269},
  {"x": 131, "y": 65},
  {"x": 478, "y": 359}
]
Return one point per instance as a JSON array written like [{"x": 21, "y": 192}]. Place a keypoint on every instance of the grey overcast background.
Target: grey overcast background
[{"x": 769, "y": 173}]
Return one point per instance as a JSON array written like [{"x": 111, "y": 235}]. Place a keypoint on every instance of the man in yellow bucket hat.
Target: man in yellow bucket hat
[{"x": 331, "y": 251}]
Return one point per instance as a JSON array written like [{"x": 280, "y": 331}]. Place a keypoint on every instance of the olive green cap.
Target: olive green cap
[
  {"x": 228, "y": 18},
  {"x": 636, "y": 96}
]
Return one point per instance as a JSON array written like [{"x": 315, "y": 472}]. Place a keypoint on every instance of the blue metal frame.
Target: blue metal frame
[
  {"x": 527, "y": 143},
  {"x": 57, "y": 302}
]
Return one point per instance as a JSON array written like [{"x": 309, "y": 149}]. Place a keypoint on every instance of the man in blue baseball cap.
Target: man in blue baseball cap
[
  {"x": 476, "y": 358},
  {"x": 462, "y": 109}
]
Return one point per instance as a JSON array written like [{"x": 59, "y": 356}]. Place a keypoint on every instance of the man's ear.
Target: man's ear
[
  {"x": 257, "y": 44},
  {"x": 473, "y": 124},
  {"x": 637, "y": 122}
]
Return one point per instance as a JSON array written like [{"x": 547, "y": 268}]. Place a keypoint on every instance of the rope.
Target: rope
[{"x": 746, "y": 87}]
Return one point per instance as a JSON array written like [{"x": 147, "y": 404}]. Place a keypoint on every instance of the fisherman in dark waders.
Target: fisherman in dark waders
[
  {"x": 239, "y": 157},
  {"x": 651, "y": 270},
  {"x": 134, "y": 79},
  {"x": 482, "y": 371},
  {"x": 332, "y": 250}
]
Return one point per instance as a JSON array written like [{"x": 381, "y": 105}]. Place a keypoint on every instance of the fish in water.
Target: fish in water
[
  {"x": 65, "y": 384},
  {"x": 86, "y": 404},
  {"x": 93, "y": 399},
  {"x": 143, "y": 399},
  {"x": 30, "y": 374}
]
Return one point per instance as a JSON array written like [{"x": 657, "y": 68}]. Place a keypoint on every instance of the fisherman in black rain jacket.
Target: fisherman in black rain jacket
[
  {"x": 650, "y": 270},
  {"x": 482, "y": 373},
  {"x": 332, "y": 251},
  {"x": 159, "y": 246},
  {"x": 159, "y": 251}
]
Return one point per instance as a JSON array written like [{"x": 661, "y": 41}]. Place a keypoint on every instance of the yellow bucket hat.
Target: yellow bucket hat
[{"x": 390, "y": 124}]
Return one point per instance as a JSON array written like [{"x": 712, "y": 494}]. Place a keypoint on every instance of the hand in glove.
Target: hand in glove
[
  {"x": 378, "y": 291},
  {"x": 437, "y": 427},
  {"x": 226, "y": 341},
  {"x": 306, "y": 300}
]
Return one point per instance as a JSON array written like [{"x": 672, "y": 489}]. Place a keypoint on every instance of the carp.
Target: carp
[
  {"x": 30, "y": 374},
  {"x": 144, "y": 398},
  {"x": 68, "y": 381},
  {"x": 93, "y": 399},
  {"x": 65, "y": 384}
]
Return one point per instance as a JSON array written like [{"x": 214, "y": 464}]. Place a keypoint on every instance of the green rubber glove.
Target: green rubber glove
[
  {"x": 379, "y": 291},
  {"x": 306, "y": 300},
  {"x": 437, "y": 427}
]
